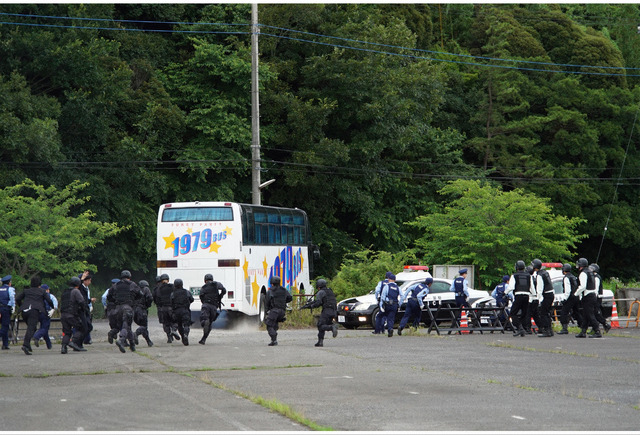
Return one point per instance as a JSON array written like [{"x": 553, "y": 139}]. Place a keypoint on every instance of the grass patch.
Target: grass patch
[
  {"x": 290, "y": 366},
  {"x": 272, "y": 404},
  {"x": 533, "y": 349}
]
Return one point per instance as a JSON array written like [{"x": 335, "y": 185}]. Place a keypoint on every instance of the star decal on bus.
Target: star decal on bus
[
  {"x": 265, "y": 265},
  {"x": 245, "y": 267},
  {"x": 214, "y": 247},
  {"x": 228, "y": 230},
  {"x": 189, "y": 230},
  {"x": 255, "y": 289},
  {"x": 168, "y": 241}
]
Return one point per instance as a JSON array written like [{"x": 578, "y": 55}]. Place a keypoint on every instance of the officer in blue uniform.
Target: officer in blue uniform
[
  {"x": 413, "y": 312},
  {"x": 380, "y": 316},
  {"x": 389, "y": 302},
  {"x": 7, "y": 307},
  {"x": 502, "y": 298},
  {"x": 45, "y": 320},
  {"x": 460, "y": 286}
]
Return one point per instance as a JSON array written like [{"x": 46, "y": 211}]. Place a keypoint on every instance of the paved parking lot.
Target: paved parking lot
[{"x": 358, "y": 381}]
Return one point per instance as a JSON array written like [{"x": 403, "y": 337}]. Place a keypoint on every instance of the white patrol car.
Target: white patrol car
[{"x": 362, "y": 310}]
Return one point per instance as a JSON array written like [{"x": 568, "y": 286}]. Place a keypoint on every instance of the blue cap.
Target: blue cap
[
  {"x": 461, "y": 271},
  {"x": 389, "y": 275},
  {"x": 115, "y": 280},
  {"x": 6, "y": 278},
  {"x": 505, "y": 278},
  {"x": 44, "y": 286},
  {"x": 392, "y": 276},
  {"x": 428, "y": 280}
]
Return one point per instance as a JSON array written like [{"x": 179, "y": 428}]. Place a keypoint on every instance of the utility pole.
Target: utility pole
[{"x": 255, "y": 110}]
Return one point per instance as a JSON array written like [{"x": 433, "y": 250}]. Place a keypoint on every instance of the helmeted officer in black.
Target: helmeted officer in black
[
  {"x": 124, "y": 295},
  {"x": 211, "y": 295},
  {"x": 111, "y": 312},
  {"x": 277, "y": 299},
  {"x": 587, "y": 292},
  {"x": 326, "y": 299},
  {"x": 599, "y": 286},
  {"x": 72, "y": 303},
  {"x": 162, "y": 299},
  {"x": 521, "y": 286},
  {"x": 181, "y": 300},
  {"x": 31, "y": 303},
  {"x": 141, "y": 313},
  {"x": 545, "y": 289},
  {"x": 571, "y": 301}
]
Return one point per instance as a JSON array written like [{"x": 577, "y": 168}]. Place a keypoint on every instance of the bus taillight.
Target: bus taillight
[
  {"x": 228, "y": 263},
  {"x": 230, "y": 294},
  {"x": 166, "y": 263}
]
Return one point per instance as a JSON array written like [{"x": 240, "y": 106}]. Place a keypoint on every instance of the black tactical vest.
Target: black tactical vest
[
  {"x": 329, "y": 299},
  {"x": 546, "y": 280},
  {"x": 523, "y": 281}
]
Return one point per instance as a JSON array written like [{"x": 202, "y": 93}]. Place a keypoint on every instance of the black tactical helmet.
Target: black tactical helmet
[
  {"x": 582, "y": 262},
  {"x": 529, "y": 269},
  {"x": 177, "y": 283},
  {"x": 208, "y": 277},
  {"x": 566, "y": 267},
  {"x": 158, "y": 278},
  {"x": 75, "y": 282},
  {"x": 537, "y": 264},
  {"x": 275, "y": 280},
  {"x": 594, "y": 267},
  {"x": 164, "y": 276},
  {"x": 143, "y": 283},
  {"x": 125, "y": 274},
  {"x": 520, "y": 265},
  {"x": 321, "y": 283}
]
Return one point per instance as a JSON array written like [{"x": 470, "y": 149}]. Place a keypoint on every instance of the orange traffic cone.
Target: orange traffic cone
[
  {"x": 463, "y": 322},
  {"x": 614, "y": 317},
  {"x": 534, "y": 327}
]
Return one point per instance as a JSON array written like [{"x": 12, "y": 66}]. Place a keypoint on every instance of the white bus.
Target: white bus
[{"x": 241, "y": 245}]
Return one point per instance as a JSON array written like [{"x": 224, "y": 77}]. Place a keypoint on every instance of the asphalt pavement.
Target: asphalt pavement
[{"x": 356, "y": 382}]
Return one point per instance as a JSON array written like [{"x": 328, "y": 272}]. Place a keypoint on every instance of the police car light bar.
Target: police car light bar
[
  {"x": 552, "y": 264},
  {"x": 417, "y": 267}
]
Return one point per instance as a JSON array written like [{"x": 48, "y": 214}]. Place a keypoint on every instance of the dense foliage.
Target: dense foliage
[{"x": 367, "y": 111}]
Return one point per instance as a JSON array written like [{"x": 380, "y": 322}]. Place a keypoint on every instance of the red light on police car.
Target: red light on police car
[
  {"x": 552, "y": 264},
  {"x": 425, "y": 268}
]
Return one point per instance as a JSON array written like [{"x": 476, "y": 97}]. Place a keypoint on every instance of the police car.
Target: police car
[{"x": 362, "y": 310}]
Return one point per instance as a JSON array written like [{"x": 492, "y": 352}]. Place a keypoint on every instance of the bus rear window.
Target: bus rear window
[{"x": 197, "y": 214}]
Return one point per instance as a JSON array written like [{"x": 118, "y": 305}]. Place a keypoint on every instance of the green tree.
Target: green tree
[
  {"x": 492, "y": 229},
  {"x": 42, "y": 233}
]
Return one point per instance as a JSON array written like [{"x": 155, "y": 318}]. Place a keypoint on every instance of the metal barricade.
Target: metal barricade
[{"x": 629, "y": 319}]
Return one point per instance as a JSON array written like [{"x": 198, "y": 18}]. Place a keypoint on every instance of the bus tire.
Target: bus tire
[{"x": 262, "y": 310}]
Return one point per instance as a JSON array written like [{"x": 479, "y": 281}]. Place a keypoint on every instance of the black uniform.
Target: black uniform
[
  {"x": 570, "y": 305},
  {"x": 211, "y": 296},
  {"x": 141, "y": 315},
  {"x": 544, "y": 309},
  {"x": 181, "y": 300},
  {"x": 110, "y": 311},
  {"x": 521, "y": 285},
  {"x": 326, "y": 299},
  {"x": 588, "y": 292},
  {"x": 72, "y": 309},
  {"x": 123, "y": 295},
  {"x": 31, "y": 302},
  {"x": 277, "y": 299},
  {"x": 162, "y": 299}
]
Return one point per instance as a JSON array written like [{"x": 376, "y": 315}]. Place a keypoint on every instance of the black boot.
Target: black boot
[
  {"x": 26, "y": 350},
  {"x": 400, "y": 331},
  {"x": 564, "y": 330},
  {"x": 111, "y": 335},
  {"x": 121, "y": 346},
  {"x": 582, "y": 334},
  {"x": 75, "y": 347},
  {"x": 596, "y": 334},
  {"x": 64, "y": 350},
  {"x": 319, "y": 343},
  {"x": 135, "y": 337},
  {"x": 334, "y": 329},
  {"x": 185, "y": 340},
  {"x": 169, "y": 338}
]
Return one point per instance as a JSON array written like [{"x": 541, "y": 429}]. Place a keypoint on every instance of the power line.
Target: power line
[{"x": 339, "y": 45}]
